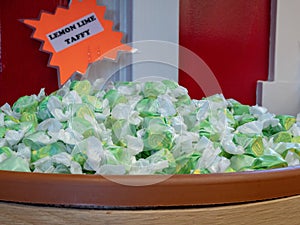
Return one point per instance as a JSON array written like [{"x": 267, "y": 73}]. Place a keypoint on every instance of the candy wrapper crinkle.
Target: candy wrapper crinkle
[{"x": 151, "y": 127}]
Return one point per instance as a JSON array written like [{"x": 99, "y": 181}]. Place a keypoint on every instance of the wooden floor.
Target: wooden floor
[{"x": 272, "y": 212}]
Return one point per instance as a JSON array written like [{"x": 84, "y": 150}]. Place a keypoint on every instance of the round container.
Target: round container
[
  {"x": 267, "y": 196},
  {"x": 148, "y": 191}
]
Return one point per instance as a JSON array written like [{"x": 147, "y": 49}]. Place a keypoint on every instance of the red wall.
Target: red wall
[
  {"x": 232, "y": 37},
  {"x": 24, "y": 67}
]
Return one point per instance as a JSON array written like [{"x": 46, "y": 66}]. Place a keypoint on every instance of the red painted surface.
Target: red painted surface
[
  {"x": 232, "y": 37},
  {"x": 24, "y": 67}
]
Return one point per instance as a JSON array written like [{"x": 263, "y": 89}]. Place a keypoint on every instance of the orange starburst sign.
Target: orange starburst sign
[{"x": 76, "y": 37}]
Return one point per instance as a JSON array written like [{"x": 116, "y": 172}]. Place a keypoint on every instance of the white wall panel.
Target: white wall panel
[{"x": 281, "y": 94}]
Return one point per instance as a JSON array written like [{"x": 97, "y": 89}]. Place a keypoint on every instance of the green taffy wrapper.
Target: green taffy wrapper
[
  {"x": 286, "y": 121},
  {"x": 154, "y": 89},
  {"x": 25, "y": 103},
  {"x": 190, "y": 121},
  {"x": 15, "y": 163},
  {"x": 83, "y": 110},
  {"x": 11, "y": 123},
  {"x": 206, "y": 129},
  {"x": 270, "y": 131},
  {"x": 297, "y": 151},
  {"x": 241, "y": 162},
  {"x": 114, "y": 98},
  {"x": 82, "y": 126},
  {"x": 185, "y": 164},
  {"x": 201, "y": 171},
  {"x": 61, "y": 168},
  {"x": 296, "y": 139},
  {"x": 244, "y": 118},
  {"x": 157, "y": 141},
  {"x": 93, "y": 102},
  {"x": 43, "y": 112},
  {"x": 117, "y": 155},
  {"x": 183, "y": 100},
  {"x": 36, "y": 140},
  {"x": 282, "y": 136},
  {"x": 294, "y": 150},
  {"x": 124, "y": 83},
  {"x": 156, "y": 122},
  {"x": 240, "y": 109},
  {"x": 29, "y": 118},
  {"x": 256, "y": 147},
  {"x": 128, "y": 88},
  {"x": 117, "y": 152},
  {"x": 230, "y": 170},
  {"x": 147, "y": 107},
  {"x": 170, "y": 84},
  {"x": 230, "y": 117},
  {"x": 2, "y": 132},
  {"x": 158, "y": 134},
  {"x": 268, "y": 162},
  {"x": 6, "y": 150},
  {"x": 81, "y": 87},
  {"x": 164, "y": 154},
  {"x": 253, "y": 145},
  {"x": 120, "y": 129},
  {"x": 80, "y": 157},
  {"x": 48, "y": 150}
]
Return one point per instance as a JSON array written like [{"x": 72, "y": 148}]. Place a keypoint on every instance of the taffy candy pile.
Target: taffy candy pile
[{"x": 144, "y": 128}]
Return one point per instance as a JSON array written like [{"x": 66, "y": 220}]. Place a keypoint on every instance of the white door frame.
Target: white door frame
[{"x": 281, "y": 93}]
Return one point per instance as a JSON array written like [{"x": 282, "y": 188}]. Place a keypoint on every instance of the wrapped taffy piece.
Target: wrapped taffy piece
[{"x": 150, "y": 127}]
